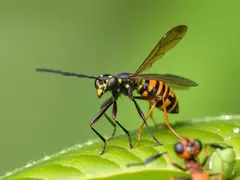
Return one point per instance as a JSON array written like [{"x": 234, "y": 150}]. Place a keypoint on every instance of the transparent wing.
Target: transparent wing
[
  {"x": 172, "y": 80},
  {"x": 168, "y": 41}
]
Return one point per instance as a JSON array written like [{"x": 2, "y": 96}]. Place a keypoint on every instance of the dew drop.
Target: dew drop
[
  {"x": 227, "y": 138},
  {"x": 62, "y": 151},
  {"x": 79, "y": 146},
  {"x": 236, "y": 130},
  {"x": 8, "y": 173},
  {"x": 89, "y": 142},
  {"x": 46, "y": 157},
  {"x": 29, "y": 164},
  {"x": 227, "y": 117}
]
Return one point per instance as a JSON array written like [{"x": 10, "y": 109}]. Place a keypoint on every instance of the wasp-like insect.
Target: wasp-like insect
[{"x": 151, "y": 87}]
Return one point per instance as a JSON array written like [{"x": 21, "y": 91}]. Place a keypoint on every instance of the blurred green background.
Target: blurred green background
[{"x": 42, "y": 113}]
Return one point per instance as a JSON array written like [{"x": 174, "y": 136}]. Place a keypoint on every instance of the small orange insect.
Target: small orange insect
[{"x": 188, "y": 149}]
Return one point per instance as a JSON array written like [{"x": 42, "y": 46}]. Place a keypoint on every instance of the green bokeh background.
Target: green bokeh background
[{"x": 43, "y": 113}]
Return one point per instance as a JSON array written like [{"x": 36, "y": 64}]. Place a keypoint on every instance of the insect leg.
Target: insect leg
[
  {"x": 114, "y": 114},
  {"x": 151, "y": 115},
  {"x": 206, "y": 156},
  {"x": 142, "y": 115},
  {"x": 217, "y": 146},
  {"x": 109, "y": 119},
  {"x": 167, "y": 121},
  {"x": 148, "y": 160},
  {"x": 113, "y": 121},
  {"x": 158, "y": 98},
  {"x": 113, "y": 124},
  {"x": 95, "y": 119},
  {"x": 146, "y": 118},
  {"x": 174, "y": 164},
  {"x": 152, "y": 158}
]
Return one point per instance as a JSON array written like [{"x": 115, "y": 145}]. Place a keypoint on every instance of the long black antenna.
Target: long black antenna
[{"x": 65, "y": 73}]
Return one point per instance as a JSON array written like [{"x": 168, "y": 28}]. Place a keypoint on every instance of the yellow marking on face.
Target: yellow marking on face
[
  {"x": 102, "y": 86},
  {"x": 99, "y": 91},
  {"x": 110, "y": 76},
  {"x": 107, "y": 81},
  {"x": 120, "y": 81},
  {"x": 127, "y": 86}
]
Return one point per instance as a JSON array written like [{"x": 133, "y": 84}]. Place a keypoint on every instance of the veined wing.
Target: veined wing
[
  {"x": 168, "y": 41},
  {"x": 172, "y": 80}
]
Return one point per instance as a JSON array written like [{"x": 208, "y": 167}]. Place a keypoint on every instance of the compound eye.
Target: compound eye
[
  {"x": 179, "y": 148},
  {"x": 198, "y": 144},
  {"x": 112, "y": 83}
]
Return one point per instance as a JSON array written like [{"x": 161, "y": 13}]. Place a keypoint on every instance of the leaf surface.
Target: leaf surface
[{"x": 84, "y": 162}]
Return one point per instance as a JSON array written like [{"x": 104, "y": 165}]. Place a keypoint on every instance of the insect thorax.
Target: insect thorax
[
  {"x": 139, "y": 84},
  {"x": 125, "y": 84}
]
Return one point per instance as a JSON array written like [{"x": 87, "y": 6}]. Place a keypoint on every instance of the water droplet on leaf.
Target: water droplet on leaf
[{"x": 236, "y": 130}]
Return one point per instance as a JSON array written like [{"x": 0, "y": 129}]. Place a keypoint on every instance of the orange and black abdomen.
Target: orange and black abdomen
[{"x": 159, "y": 88}]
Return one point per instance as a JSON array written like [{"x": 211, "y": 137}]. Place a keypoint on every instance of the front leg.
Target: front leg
[
  {"x": 130, "y": 95},
  {"x": 95, "y": 119},
  {"x": 175, "y": 164},
  {"x": 114, "y": 114},
  {"x": 111, "y": 121}
]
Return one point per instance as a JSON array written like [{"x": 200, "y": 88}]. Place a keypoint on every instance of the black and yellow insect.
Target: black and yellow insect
[{"x": 151, "y": 87}]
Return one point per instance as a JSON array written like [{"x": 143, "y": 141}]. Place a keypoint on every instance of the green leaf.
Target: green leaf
[
  {"x": 223, "y": 161},
  {"x": 84, "y": 162}
]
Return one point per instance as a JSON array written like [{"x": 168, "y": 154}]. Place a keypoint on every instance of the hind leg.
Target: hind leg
[
  {"x": 167, "y": 121},
  {"x": 157, "y": 98},
  {"x": 151, "y": 115},
  {"x": 146, "y": 118}
]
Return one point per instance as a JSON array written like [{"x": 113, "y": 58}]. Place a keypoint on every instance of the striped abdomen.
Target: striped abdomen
[{"x": 158, "y": 88}]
